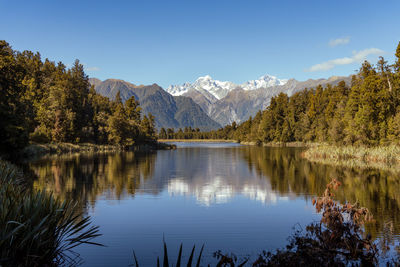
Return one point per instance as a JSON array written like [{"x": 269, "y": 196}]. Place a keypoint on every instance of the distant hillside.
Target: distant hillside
[{"x": 169, "y": 111}]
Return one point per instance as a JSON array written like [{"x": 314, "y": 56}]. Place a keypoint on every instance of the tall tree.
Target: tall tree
[{"x": 13, "y": 126}]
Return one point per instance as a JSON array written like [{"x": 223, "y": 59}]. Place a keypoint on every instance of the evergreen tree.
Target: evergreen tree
[
  {"x": 119, "y": 129},
  {"x": 162, "y": 134},
  {"x": 13, "y": 126}
]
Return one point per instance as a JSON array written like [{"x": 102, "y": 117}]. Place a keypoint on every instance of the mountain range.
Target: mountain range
[
  {"x": 226, "y": 102},
  {"x": 207, "y": 103},
  {"x": 169, "y": 111}
]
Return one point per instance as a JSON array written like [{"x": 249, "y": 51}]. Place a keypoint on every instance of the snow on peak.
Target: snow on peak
[
  {"x": 263, "y": 82},
  {"x": 220, "y": 89}
]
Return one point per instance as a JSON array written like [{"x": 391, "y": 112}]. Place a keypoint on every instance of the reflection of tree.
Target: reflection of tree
[
  {"x": 378, "y": 190},
  {"x": 84, "y": 177},
  {"x": 270, "y": 171}
]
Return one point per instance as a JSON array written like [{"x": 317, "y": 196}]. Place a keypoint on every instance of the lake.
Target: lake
[{"x": 233, "y": 198}]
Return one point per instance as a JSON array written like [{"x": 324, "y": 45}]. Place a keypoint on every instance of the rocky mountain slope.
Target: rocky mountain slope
[
  {"x": 226, "y": 102},
  {"x": 169, "y": 111},
  {"x": 220, "y": 89}
]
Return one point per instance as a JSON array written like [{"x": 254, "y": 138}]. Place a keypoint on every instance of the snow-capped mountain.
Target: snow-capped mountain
[
  {"x": 220, "y": 89},
  {"x": 263, "y": 82},
  {"x": 216, "y": 88},
  {"x": 226, "y": 102}
]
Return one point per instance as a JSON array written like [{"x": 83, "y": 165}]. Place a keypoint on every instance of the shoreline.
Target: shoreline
[
  {"x": 38, "y": 150},
  {"x": 197, "y": 141},
  {"x": 279, "y": 144},
  {"x": 247, "y": 143},
  {"x": 380, "y": 157}
]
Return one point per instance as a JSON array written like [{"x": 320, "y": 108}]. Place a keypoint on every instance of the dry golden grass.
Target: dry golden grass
[{"x": 381, "y": 157}]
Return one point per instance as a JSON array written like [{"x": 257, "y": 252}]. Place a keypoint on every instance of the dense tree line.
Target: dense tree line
[
  {"x": 42, "y": 101},
  {"x": 365, "y": 112},
  {"x": 185, "y": 133}
]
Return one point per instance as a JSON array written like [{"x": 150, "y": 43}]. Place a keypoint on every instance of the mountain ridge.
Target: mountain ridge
[
  {"x": 212, "y": 103},
  {"x": 239, "y": 102},
  {"x": 169, "y": 111},
  {"x": 219, "y": 89}
]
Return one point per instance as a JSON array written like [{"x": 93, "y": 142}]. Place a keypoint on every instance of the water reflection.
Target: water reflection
[
  {"x": 85, "y": 177},
  {"x": 378, "y": 190},
  {"x": 216, "y": 175}
]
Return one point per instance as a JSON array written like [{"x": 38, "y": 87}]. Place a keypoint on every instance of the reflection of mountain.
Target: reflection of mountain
[
  {"x": 217, "y": 175},
  {"x": 211, "y": 175},
  {"x": 215, "y": 192},
  {"x": 377, "y": 190},
  {"x": 219, "y": 192}
]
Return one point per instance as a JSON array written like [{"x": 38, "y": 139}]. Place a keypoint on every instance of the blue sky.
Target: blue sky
[{"x": 171, "y": 42}]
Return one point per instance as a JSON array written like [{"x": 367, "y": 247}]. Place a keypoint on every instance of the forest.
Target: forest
[
  {"x": 43, "y": 102},
  {"x": 365, "y": 112}
]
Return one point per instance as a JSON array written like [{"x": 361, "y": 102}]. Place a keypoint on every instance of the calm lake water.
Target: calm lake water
[{"x": 233, "y": 198}]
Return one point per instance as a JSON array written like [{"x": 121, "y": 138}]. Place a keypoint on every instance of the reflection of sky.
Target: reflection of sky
[
  {"x": 196, "y": 195},
  {"x": 213, "y": 174},
  {"x": 240, "y": 226},
  {"x": 217, "y": 194},
  {"x": 218, "y": 191}
]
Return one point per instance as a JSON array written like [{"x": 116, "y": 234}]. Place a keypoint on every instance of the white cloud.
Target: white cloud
[
  {"x": 87, "y": 68},
  {"x": 339, "y": 41},
  {"x": 357, "y": 57},
  {"x": 92, "y": 68}
]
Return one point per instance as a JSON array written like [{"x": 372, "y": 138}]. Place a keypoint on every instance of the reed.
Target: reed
[
  {"x": 166, "y": 259},
  {"x": 389, "y": 155},
  {"x": 36, "y": 229}
]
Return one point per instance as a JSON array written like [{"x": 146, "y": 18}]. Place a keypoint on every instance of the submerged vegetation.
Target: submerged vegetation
[{"x": 37, "y": 229}]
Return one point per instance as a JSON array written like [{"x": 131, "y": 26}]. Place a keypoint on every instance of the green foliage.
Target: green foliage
[
  {"x": 147, "y": 126},
  {"x": 46, "y": 102},
  {"x": 35, "y": 228},
  {"x": 338, "y": 239},
  {"x": 397, "y": 54},
  {"x": 163, "y": 134},
  {"x": 12, "y": 101},
  {"x": 166, "y": 259},
  {"x": 118, "y": 126},
  {"x": 363, "y": 113}
]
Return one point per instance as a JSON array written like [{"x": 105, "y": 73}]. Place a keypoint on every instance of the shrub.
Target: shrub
[
  {"x": 337, "y": 240},
  {"x": 35, "y": 228}
]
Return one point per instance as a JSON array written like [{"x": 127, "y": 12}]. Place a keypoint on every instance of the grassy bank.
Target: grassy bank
[
  {"x": 360, "y": 156},
  {"x": 198, "y": 140},
  {"x": 34, "y": 150},
  {"x": 37, "y": 150}
]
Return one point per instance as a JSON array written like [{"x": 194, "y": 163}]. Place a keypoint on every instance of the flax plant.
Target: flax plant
[{"x": 36, "y": 229}]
